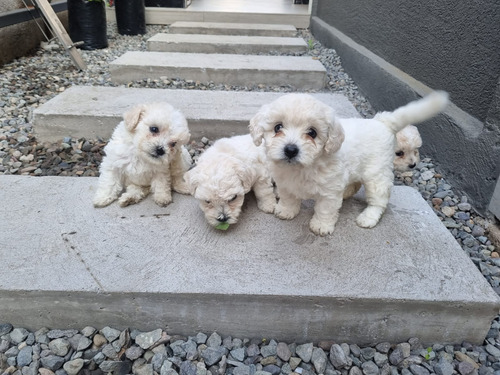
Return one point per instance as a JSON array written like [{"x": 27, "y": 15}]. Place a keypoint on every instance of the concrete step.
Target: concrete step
[
  {"x": 301, "y": 72},
  {"x": 226, "y": 28},
  {"x": 146, "y": 267},
  {"x": 93, "y": 111},
  {"x": 167, "y": 16},
  {"x": 232, "y": 44}
]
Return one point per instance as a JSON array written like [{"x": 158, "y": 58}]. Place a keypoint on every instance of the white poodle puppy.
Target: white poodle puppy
[
  {"x": 223, "y": 175},
  {"x": 313, "y": 154},
  {"x": 408, "y": 142},
  {"x": 407, "y": 157},
  {"x": 145, "y": 153}
]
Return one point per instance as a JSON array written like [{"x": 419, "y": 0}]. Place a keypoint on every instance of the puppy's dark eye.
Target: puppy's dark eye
[
  {"x": 172, "y": 144},
  {"x": 278, "y": 127},
  {"x": 207, "y": 202},
  {"x": 233, "y": 198},
  {"x": 154, "y": 129},
  {"x": 312, "y": 133},
  {"x": 400, "y": 153}
]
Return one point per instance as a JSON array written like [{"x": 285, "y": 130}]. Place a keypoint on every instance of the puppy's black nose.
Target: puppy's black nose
[
  {"x": 160, "y": 151},
  {"x": 291, "y": 151},
  {"x": 411, "y": 166},
  {"x": 222, "y": 218}
]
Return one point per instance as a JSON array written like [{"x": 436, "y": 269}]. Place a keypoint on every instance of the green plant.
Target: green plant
[
  {"x": 428, "y": 354},
  {"x": 310, "y": 44}
]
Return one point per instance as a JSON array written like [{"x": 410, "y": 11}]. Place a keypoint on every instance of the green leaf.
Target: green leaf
[{"x": 222, "y": 226}]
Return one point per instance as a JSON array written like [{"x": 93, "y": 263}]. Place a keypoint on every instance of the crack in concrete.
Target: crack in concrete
[{"x": 77, "y": 253}]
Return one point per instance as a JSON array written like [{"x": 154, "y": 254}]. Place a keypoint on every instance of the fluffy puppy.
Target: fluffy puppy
[
  {"x": 407, "y": 156},
  {"x": 313, "y": 154},
  {"x": 145, "y": 153},
  {"x": 225, "y": 173},
  {"x": 408, "y": 142}
]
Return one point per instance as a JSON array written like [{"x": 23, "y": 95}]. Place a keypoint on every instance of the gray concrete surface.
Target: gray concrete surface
[
  {"x": 82, "y": 111},
  {"x": 446, "y": 138},
  {"x": 494, "y": 206},
  {"x": 456, "y": 51},
  {"x": 167, "y": 16},
  {"x": 65, "y": 262},
  {"x": 301, "y": 72},
  {"x": 235, "y": 44},
  {"x": 226, "y": 28}
]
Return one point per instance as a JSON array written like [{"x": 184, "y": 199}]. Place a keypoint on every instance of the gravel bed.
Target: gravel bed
[{"x": 30, "y": 81}]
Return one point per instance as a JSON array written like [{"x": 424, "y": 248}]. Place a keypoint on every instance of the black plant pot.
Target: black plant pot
[
  {"x": 87, "y": 23},
  {"x": 130, "y": 17}
]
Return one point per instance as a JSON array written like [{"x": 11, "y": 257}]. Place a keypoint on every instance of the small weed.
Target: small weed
[
  {"x": 428, "y": 354},
  {"x": 310, "y": 44}
]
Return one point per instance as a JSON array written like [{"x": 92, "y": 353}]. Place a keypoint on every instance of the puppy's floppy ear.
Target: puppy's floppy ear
[
  {"x": 133, "y": 117},
  {"x": 335, "y": 134},
  {"x": 257, "y": 124},
  {"x": 184, "y": 139},
  {"x": 181, "y": 123}
]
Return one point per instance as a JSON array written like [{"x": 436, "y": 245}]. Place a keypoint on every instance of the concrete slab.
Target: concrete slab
[
  {"x": 68, "y": 264},
  {"x": 92, "y": 111},
  {"x": 300, "y": 21},
  {"x": 236, "y": 44},
  {"x": 227, "y": 28},
  {"x": 167, "y": 16},
  {"x": 301, "y": 72}
]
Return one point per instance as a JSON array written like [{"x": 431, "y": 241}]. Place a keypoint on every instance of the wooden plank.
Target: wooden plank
[{"x": 61, "y": 33}]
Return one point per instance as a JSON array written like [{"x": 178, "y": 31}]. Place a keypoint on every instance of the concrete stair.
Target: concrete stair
[
  {"x": 231, "y": 44},
  {"x": 301, "y": 72},
  {"x": 81, "y": 112},
  {"x": 146, "y": 267},
  {"x": 226, "y": 28},
  {"x": 168, "y": 16}
]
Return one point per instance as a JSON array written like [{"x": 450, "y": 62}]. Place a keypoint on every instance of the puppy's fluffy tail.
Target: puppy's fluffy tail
[{"x": 414, "y": 112}]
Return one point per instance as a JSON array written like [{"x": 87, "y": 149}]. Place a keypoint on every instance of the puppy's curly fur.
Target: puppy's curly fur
[
  {"x": 313, "y": 154},
  {"x": 225, "y": 173},
  {"x": 407, "y": 155},
  {"x": 145, "y": 153}
]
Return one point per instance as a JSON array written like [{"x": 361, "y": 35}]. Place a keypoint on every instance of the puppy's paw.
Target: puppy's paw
[
  {"x": 369, "y": 217},
  {"x": 268, "y": 205},
  {"x": 127, "y": 199},
  {"x": 286, "y": 213},
  {"x": 366, "y": 222},
  {"x": 321, "y": 228},
  {"x": 102, "y": 201},
  {"x": 162, "y": 199}
]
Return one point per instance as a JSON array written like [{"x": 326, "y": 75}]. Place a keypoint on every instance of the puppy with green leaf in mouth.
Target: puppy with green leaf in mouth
[{"x": 224, "y": 174}]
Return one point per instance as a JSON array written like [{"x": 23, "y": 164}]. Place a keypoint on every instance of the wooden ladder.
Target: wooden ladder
[{"x": 60, "y": 32}]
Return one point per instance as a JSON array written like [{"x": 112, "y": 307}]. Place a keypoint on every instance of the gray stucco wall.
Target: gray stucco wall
[
  {"x": 20, "y": 39},
  {"x": 447, "y": 44},
  {"x": 397, "y": 51}
]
